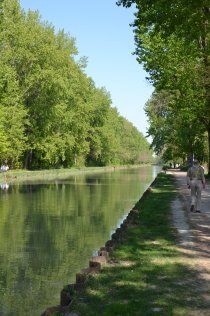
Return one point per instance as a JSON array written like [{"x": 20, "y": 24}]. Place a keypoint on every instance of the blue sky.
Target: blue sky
[{"x": 104, "y": 36}]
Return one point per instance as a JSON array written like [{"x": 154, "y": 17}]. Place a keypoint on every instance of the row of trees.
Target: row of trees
[
  {"x": 172, "y": 42},
  {"x": 51, "y": 112}
]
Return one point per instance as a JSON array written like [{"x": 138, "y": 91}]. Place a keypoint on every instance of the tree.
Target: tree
[
  {"x": 51, "y": 112},
  {"x": 187, "y": 21},
  {"x": 173, "y": 133},
  {"x": 12, "y": 117},
  {"x": 178, "y": 79}
]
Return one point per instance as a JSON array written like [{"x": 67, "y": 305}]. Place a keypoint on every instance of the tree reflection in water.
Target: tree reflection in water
[{"x": 48, "y": 232}]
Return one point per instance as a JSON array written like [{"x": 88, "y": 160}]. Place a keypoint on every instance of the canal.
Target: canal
[{"x": 49, "y": 231}]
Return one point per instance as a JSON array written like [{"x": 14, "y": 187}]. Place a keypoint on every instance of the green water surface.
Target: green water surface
[{"x": 49, "y": 231}]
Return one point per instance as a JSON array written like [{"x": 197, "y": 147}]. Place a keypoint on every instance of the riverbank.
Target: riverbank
[
  {"x": 148, "y": 273},
  {"x": 14, "y": 176}
]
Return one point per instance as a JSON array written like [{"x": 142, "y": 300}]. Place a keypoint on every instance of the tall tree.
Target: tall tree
[
  {"x": 174, "y": 134},
  {"x": 51, "y": 112},
  {"x": 186, "y": 20},
  {"x": 178, "y": 79}
]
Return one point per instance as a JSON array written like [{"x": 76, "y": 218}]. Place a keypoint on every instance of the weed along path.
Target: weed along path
[
  {"x": 193, "y": 230},
  {"x": 158, "y": 264}
]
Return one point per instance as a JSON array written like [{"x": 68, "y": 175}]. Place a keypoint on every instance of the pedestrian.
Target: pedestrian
[
  {"x": 4, "y": 169},
  {"x": 195, "y": 182}
]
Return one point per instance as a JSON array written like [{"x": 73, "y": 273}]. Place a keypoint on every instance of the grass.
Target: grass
[
  {"x": 149, "y": 274},
  {"x": 52, "y": 174}
]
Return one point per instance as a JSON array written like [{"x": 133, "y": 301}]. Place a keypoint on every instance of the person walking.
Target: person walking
[{"x": 196, "y": 181}]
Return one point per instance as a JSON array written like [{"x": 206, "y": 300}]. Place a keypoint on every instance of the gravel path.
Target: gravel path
[{"x": 193, "y": 232}]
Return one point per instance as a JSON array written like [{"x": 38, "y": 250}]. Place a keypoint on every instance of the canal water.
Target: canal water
[{"x": 49, "y": 231}]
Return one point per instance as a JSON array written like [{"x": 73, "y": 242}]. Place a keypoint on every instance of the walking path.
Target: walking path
[{"x": 194, "y": 235}]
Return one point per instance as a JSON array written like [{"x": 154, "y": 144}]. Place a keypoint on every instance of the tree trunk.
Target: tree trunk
[
  {"x": 190, "y": 158},
  {"x": 208, "y": 106},
  {"x": 28, "y": 159},
  {"x": 75, "y": 159},
  {"x": 205, "y": 47},
  {"x": 209, "y": 151}
]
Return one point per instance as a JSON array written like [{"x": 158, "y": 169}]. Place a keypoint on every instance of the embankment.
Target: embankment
[
  {"x": 105, "y": 259},
  {"x": 14, "y": 176}
]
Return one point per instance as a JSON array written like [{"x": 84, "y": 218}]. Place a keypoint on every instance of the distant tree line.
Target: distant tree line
[
  {"x": 173, "y": 43},
  {"x": 51, "y": 113}
]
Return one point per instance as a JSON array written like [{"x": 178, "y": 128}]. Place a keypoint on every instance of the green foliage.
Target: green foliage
[
  {"x": 175, "y": 133},
  {"x": 178, "y": 113},
  {"x": 172, "y": 42},
  {"x": 13, "y": 117},
  {"x": 51, "y": 113}
]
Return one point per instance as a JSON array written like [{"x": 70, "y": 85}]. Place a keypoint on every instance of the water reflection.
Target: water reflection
[
  {"x": 48, "y": 232},
  {"x": 4, "y": 186}
]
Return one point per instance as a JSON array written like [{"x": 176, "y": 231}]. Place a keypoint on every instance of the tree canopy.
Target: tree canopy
[
  {"x": 51, "y": 113},
  {"x": 172, "y": 42}
]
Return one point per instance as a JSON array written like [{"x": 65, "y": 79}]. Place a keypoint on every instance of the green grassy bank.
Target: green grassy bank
[
  {"x": 149, "y": 274},
  {"x": 52, "y": 174}
]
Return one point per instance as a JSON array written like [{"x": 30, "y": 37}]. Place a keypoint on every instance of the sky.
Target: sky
[{"x": 103, "y": 35}]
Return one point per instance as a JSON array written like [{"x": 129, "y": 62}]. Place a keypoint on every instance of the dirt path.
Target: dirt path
[{"x": 193, "y": 230}]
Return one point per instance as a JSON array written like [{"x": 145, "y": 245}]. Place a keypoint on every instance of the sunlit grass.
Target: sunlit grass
[
  {"x": 151, "y": 275},
  {"x": 20, "y": 175}
]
